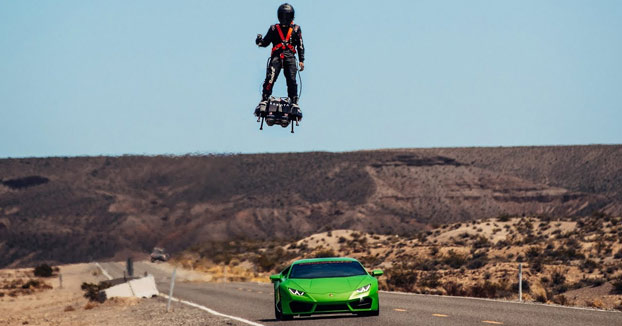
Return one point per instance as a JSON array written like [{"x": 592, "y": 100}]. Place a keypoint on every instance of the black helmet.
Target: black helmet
[{"x": 286, "y": 14}]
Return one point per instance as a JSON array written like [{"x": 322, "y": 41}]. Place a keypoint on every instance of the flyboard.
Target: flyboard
[{"x": 278, "y": 111}]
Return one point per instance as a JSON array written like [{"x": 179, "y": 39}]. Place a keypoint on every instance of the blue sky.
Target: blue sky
[{"x": 175, "y": 77}]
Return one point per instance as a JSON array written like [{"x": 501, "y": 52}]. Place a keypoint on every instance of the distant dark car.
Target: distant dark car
[{"x": 159, "y": 254}]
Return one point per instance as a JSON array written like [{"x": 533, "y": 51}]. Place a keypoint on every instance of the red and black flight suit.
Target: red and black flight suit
[{"x": 283, "y": 56}]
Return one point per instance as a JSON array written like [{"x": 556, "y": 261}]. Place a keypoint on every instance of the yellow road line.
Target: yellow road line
[
  {"x": 399, "y": 309},
  {"x": 492, "y": 322},
  {"x": 440, "y": 315}
]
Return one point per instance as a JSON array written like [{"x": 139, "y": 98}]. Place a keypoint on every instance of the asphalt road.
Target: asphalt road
[{"x": 254, "y": 302}]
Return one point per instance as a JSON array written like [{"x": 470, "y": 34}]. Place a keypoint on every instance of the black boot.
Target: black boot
[{"x": 262, "y": 107}]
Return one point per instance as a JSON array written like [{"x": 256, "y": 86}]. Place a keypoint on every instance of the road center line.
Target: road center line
[
  {"x": 492, "y": 322},
  {"x": 440, "y": 315},
  {"x": 399, "y": 309}
]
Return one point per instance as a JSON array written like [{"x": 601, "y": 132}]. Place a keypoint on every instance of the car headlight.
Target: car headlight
[
  {"x": 363, "y": 288},
  {"x": 296, "y": 292}
]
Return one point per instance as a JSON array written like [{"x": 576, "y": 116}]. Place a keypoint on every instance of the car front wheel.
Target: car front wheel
[
  {"x": 278, "y": 313},
  {"x": 370, "y": 313}
]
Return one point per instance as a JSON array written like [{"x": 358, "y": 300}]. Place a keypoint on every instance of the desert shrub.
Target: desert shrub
[
  {"x": 454, "y": 289},
  {"x": 369, "y": 260},
  {"x": 558, "y": 282},
  {"x": 525, "y": 284},
  {"x": 478, "y": 260},
  {"x": 31, "y": 283},
  {"x": 430, "y": 280},
  {"x": 558, "y": 278},
  {"x": 566, "y": 253},
  {"x": 43, "y": 270},
  {"x": 434, "y": 251},
  {"x": 454, "y": 259},
  {"x": 323, "y": 253},
  {"x": 93, "y": 292},
  {"x": 484, "y": 290},
  {"x": 617, "y": 286},
  {"x": 265, "y": 262},
  {"x": 481, "y": 242},
  {"x": 589, "y": 264},
  {"x": 503, "y": 218},
  {"x": 401, "y": 277},
  {"x": 342, "y": 240},
  {"x": 541, "y": 297},
  {"x": 425, "y": 264},
  {"x": 596, "y": 303},
  {"x": 618, "y": 255},
  {"x": 537, "y": 265},
  {"x": 560, "y": 300},
  {"x": 594, "y": 282},
  {"x": 532, "y": 252}
]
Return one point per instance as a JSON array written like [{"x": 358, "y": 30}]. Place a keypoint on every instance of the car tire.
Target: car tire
[
  {"x": 278, "y": 313},
  {"x": 370, "y": 313}
]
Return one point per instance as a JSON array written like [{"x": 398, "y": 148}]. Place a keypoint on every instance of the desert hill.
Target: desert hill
[
  {"x": 65, "y": 210},
  {"x": 568, "y": 261}
]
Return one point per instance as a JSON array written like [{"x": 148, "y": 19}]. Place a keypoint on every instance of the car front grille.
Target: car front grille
[{"x": 332, "y": 307}]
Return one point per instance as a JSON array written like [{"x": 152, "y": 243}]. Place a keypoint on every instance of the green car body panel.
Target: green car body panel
[{"x": 319, "y": 295}]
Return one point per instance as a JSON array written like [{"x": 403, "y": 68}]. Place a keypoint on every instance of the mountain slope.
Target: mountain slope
[{"x": 75, "y": 209}]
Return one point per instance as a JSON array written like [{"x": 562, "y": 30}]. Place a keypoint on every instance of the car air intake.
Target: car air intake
[
  {"x": 300, "y": 307},
  {"x": 361, "y": 304}
]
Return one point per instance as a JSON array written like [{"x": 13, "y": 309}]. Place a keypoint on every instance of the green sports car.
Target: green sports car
[{"x": 325, "y": 286}]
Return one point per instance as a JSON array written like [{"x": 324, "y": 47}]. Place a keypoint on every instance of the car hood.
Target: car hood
[{"x": 334, "y": 284}]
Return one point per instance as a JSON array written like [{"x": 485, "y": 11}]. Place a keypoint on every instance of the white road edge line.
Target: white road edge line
[
  {"x": 497, "y": 300},
  {"x": 103, "y": 271},
  {"x": 213, "y": 312},
  {"x": 192, "y": 304}
]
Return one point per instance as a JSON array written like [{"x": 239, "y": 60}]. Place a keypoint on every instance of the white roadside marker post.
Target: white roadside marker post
[
  {"x": 60, "y": 280},
  {"x": 520, "y": 282},
  {"x": 170, "y": 292}
]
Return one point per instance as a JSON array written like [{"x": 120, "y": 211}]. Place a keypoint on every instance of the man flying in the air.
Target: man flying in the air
[{"x": 286, "y": 40}]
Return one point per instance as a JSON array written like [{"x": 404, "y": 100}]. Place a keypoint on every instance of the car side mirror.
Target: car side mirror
[
  {"x": 275, "y": 278},
  {"x": 376, "y": 272}
]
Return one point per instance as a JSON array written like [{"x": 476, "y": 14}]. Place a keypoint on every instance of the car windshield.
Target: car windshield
[{"x": 327, "y": 269}]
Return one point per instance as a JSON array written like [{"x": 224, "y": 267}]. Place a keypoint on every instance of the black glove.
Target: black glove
[{"x": 258, "y": 39}]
